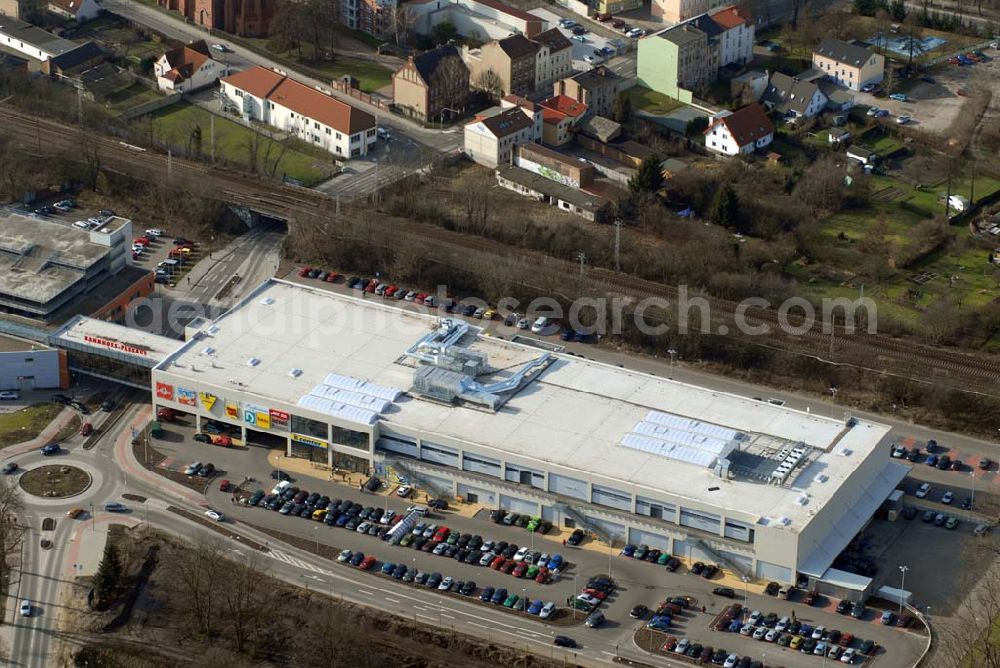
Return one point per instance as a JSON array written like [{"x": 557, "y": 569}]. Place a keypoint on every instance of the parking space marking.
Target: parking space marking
[
  {"x": 391, "y": 599},
  {"x": 427, "y": 617},
  {"x": 366, "y": 592}
]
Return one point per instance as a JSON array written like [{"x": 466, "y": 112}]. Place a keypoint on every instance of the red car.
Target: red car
[
  {"x": 332, "y": 277},
  {"x": 367, "y": 563},
  {"x": 442, "y": 534},
  {"x": 419, "y": 299},
  {"x": 166, "y": 414},
  {"x": 508, "y": 566},
  {"x": 543, "y": 575},
  {"x": 519, "y": 570},
  {"x": 390, "y": 291},
  {"x": 304, "y": 271},
  {"x": 497, "y": 562},
  {"x": 87, "y": 429},
  {"x": 372, "y": 284},
  {"x": 599, "y": 595},
  {"x": 603, "y": 18},
  {"x": 142, "y": 241},
  {"x": 846, "y": 640},
  {"x": 223, "y": 485},
  {"x": 222, "y": 440}
]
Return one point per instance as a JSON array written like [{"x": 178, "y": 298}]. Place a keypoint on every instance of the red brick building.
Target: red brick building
[{"x": 246, "y": 18}]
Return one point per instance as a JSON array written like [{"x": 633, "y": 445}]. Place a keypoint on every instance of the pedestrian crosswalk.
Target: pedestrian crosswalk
[{"x": 298, "y": 563}]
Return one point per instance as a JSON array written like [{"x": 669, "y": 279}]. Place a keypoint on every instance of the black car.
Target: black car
[
  {"x": 673, "y": 564},
  {"x": 563, "y": 641},
  {"x": 501, "y": 546},
  {"x": 697, "y": 568},
  {"x": 202, "y": 438},
  {"x": 366, "y": 512},
  {"x": 510, "y": 551},
  {"x": 331, "y": 518},
  {"x": 744, "y": 662},
  {"x": 61, "y": 399},
  {"x": 807, "y": 646},
  {"x": 323, "y": 503},
  {"x": 452, "y": 551},
  {"x": 967, "y": 503},
  {"x": 456, "y": 586},
  {"x": 9, "y": 468},
  {"x": 522, "y": 521},
  {"x": 794, "y": 626},
  {"x": 638, "y": 612},
  {"x": 475, "y": 542},
  {"x": 913, "y": 455},
  {"x": 313, "y": 499},
  {"x": 728, "y": 592},
  {"x": 653, "y": 555},
  {"x": 419, "y": 542},
  {"x": 601, "y": 583},
  {"x": 468, "y": 588},
  {"x": 772, "y": 589},
  {"x": 463, "y": 540},
  {"x": 944, "y": 463},
  {"x": 844, "y": 607},
  {"x": 460, "y": 553},
  {"x": 434, "y": 580},
  {"x": 719, "y": 657},
  {"x": 710, "y": 571},
  {"x": 910, "y": 512},
  {"x": 438, "y": 504},
  {"x": 867, "y": 647},
  {"x": 207, "y": 471},
  {"x": 695, "y": 650},
  {"x": 275, "y": 503},
  {"x": 107, "y": 405},
  {"x": 472, "y": 557},
  {"x": 544, "y": 527},
  {"x": 575, "y": 538},
  {"x": 352, "y": 524},
  {"x": 496, "y": 516},
  {"x": 50, "y": 449},
  {"x": 357, "y": 558}
]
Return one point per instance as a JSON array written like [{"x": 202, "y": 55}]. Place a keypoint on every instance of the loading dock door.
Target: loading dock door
[
  {"x": 657, "y": 540},
  {"x": 516, "y": 505}
]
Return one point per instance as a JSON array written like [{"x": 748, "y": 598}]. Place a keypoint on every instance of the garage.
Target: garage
[
  {"x": 516, "y": 505},
  {"x": 657, "y": 540},
  {"x": 483, "y": 497}
]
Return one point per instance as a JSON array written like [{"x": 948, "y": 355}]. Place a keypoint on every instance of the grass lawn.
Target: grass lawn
[
  {"x": 300, "y": 162},
  {"x": 884, "y": 145},
  {"x": 55, "y": 481},
  {"x": 27, "y": 423},
  {"x": 370, "y": 75},
  {"x": 651, "y": 102},
  {"x": 132, "y": 96}
]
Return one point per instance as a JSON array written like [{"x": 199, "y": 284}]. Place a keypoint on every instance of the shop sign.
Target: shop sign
[
  {"x": 164, "y": 391},
  {"x": 279, "y": 419},
  {"x": 258, "y": 417},
  {"x": 310, "y": 441},
  {"x": 207, "y": 400},
  {"x": 233, "y": 411},
  {"x": 186, "y": 397},
  {"x": 115, "y": 345}
]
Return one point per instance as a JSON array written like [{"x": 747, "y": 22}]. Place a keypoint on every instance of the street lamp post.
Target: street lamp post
[
  {"x": 902, "y": 586},
  {"x": 972, "y": 501}
]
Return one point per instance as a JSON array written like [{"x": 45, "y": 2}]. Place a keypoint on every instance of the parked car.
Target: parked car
[{"x": 9, "y": 468}]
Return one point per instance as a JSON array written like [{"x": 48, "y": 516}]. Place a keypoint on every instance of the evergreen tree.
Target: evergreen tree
[
  {"x": 649, "y": 178},
  {"x": 725, "y": 207},
  {"x": 109, "y": 571}
]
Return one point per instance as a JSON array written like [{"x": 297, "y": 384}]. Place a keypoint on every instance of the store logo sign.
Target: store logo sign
[
  {"x": 207, "y": 400},
  {"x": 232, "y": 411},
  {"x": 164, "y": 391},
  {"x": 115, "y": 345},
  {"x": 309, "y": 440},
  {"x": 258, "y": 417},
  {"x": 186, "y": 397},
  {"x": 279, "y": 419}
]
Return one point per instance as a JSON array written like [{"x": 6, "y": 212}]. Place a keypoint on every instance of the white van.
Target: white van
[
  {"x": 419, "y": 510},
  {"x": 281, "y": 487},
  {"x": 540, "y": 323}
]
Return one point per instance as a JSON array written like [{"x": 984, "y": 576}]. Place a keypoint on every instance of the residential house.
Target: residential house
[
  {"x": 677, "y": 61},
  {"x": 187, "y": 68},
  {"x": 307, "y": 113},
  {"x": 32, "y": 41},
  {"x": 481, "y": 20},
  {"x": 432, "y": 84},
  {"x": 737, "y": 35},
  {"x": 553, "y": 58},
  {"x": 79, "y": 10},
  {"x": 560, "y": 114},
  {"x": 597, "y": 88},
  {"x": 678, "y": 11},
  {"x": 739, "y": 132},
  {"x": 792, "y": 97},
  {"x": 507, "y": 64},
  {"x": 74, "y": 61},
  {"x": 849, "y": 64},
  {"x": 531, "y": 109},
  {"x": 615, "y": 6},
  {"x": 749, "y": 86},
  {"x": 490, "y": 139},
  {"x": 244, "y": 18}
]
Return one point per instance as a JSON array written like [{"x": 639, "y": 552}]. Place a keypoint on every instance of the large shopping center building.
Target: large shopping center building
[{"x": 363, "y": 385}]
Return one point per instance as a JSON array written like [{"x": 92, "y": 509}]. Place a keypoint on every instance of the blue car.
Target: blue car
[
  {"x": 357, "y": 558},
  {"x": 535, "y": 607},
  {"x": 486, "y": 595},
  {"x": 499, "y": 596},
  {"x": 50, "y": 449},
  {"x": 388, "y": 567},
  {"x": 343, "y": 520},
  {"x": 628, "y": 550},
  {"x": 399, "y": 571},
  {"x": 555, "y": 562},
  {"x": 659, "y": 623},
  {"x": 805, "y": 630},
  {"x": 734, "y": 626},
  {"x": 931, "y": 460}
]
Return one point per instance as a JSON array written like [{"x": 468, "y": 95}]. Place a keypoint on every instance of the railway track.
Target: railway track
[{"x": 546, "y": 274}]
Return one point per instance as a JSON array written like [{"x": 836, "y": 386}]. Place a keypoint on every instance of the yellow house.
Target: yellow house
[{"x": 848, "y": 64}]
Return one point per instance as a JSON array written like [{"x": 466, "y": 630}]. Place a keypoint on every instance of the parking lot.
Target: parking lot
[
  {"x": 934, "y": 105},
  {"x": 584, "y": 45},
  {"x": 637, "y": 582}
]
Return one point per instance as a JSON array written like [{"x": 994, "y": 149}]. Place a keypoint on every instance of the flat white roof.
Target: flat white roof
[
  {"x": 103, "y": 336},
  {"x": 574, "y": 415}
]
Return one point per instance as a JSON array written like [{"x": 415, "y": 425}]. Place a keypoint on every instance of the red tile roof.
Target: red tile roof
[
  {"x": 303, "y": 100},
  {"x": 564, "y": 104},
  {"x": 184, "y": 61},
  {"x": 746, "y": 125},
  {"x": 507, "y": 9},
  {"x": 732, "y": 17}
]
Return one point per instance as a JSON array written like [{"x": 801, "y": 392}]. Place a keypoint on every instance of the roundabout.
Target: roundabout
[{"x": 55, "y": 481}]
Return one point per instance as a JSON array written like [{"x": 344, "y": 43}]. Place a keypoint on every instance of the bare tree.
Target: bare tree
[
  {"x": 244, "y": 599},
  {"x": 11, "y": 531},
  {"x": 401, "y": 25},
  {"x": 490, "y": 83},
  {"x": 197, "y": 572},
  {"x": 450, "y": 84}
]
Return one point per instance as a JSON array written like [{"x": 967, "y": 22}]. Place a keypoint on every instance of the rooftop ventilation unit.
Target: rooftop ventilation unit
[
  {"x": 208, "y": 351},
  {"x": 267, "y": 301},
  {"x": 295, "y": 373},
  {"x": 253, "y": 361},
  {"x": 802, "y": 500},
  {"x": 214, "y": 329}
]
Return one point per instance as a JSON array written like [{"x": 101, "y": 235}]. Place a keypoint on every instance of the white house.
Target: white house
[
  {"x": 740, "y": 132},
  {"x": 309, "y": 114},
  {"x": 81, "y": 10},
  {"x": 187, "y": 68},
  {"x": 490, "y": 139},
  {"x": 736, "y": 39},
  {"x": 793, "y": 97}
]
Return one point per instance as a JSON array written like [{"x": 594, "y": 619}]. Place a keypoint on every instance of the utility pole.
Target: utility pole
[{"x": 618, "y": 243}]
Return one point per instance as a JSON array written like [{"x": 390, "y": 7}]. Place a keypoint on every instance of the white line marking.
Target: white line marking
[{"x": 394, "y": 600}]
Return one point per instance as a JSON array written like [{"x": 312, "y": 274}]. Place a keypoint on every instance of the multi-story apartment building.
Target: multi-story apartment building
[
  {"x": 374, "y": 17},
  {"x": 676, "y": 11},
  {"x": 491, "y": 138},
  {"x": 508, "y": 64},
  {"x": 553, "y": 59},
  {"x": 596, "y": 88}
]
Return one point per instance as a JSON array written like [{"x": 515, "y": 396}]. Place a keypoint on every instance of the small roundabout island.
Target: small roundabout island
[{"x": 55, "y": 481}]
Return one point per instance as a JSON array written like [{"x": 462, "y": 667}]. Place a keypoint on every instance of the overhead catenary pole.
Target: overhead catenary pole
[{"x": 618, "y": 243}]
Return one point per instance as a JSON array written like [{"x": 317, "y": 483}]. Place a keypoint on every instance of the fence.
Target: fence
[
  {"x": 374, "y": 100},
  {"x": 944, "y": 57}
]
